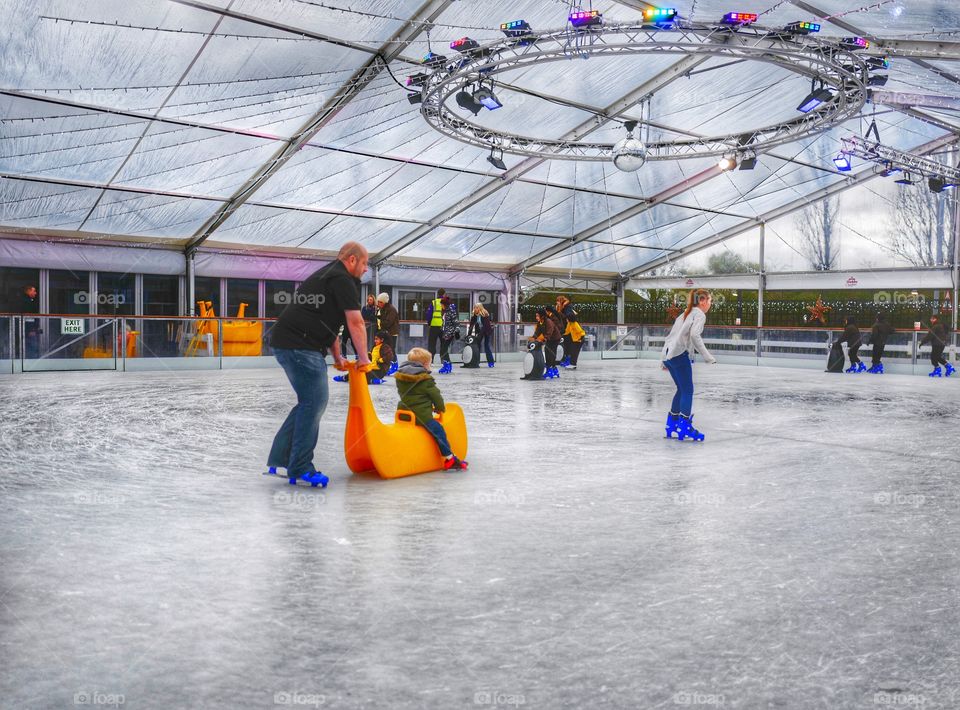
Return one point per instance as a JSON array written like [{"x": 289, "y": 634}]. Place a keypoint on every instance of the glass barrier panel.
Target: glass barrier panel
[{"x": 81, "y": 343}]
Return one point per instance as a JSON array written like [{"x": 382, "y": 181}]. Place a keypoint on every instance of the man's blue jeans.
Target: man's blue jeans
[
  {"x": 437, "y": 432},
  {"x": 682, "y": 375},
  {"x": 294, "y": 444}
]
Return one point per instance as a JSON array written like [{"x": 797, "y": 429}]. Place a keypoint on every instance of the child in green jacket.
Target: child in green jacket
[{"x": 420, "y": 395}]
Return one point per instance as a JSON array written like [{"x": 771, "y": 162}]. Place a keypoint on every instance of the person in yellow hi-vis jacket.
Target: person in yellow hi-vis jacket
[
  {"x": 435, "y": 319},
  {"x": 573, "y": 334}
]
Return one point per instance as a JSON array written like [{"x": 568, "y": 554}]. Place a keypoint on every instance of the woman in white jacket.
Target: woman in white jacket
[{"x": 684, "y": 337}]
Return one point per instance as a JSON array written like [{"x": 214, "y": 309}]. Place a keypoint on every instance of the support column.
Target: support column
[
  {"x": 376, "y": 280},
  {"x": 621, "y": 302},
  {"x": 956, "y": 256},
  {"x": 761, "y": 285},
  {"x": 191, "y": 286}
]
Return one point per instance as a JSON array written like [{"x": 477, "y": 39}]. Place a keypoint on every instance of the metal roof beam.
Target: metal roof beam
[
  {"x": 391, "y": 50},
  {"x": 788, "y": 209}
]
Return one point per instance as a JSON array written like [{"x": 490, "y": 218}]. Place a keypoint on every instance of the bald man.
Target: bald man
[{"x": 301, "y": 339}]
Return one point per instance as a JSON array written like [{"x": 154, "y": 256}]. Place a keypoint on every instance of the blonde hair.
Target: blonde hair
[
  {"x": 483, "y": 311},
  {"x": 420, "y": 355},
  {"x": 694, "y": 297}
]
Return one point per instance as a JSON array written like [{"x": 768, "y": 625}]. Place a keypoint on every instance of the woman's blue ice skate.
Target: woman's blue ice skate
[
  {"x": 565, "y": 362},
  {"x": 446, "y": 368},
  {"x": 861, "y": 367},
  {"x": 673, "y": 424},
  {"x": 950, "y": 370},
  {"x": 686, "y": 431},
  {"x": 852, "y": 368},
  {"x": 491, "y": 363},
  {"x": 937, "y": 372}
]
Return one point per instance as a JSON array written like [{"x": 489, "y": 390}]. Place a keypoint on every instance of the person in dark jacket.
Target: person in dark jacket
[
  {"x": 573, "y": 333},
  {"x": 380, "y": 357},
  {"x": 420, "y": 395},
  {"x": 434, "y": 315},
  {"x": 549, "y": 334},
  {"x": 936, "y": 337},
  {"x": 303, "y": 335},
  {"x": 388, "y": 320},
  {"x": 879, "y": 334},
  {"x": 851, "y": 336},
  {"x": 449, "y": 333},
  {"x": 30, "y": 303},
  {"x": 482, "y": 327}
]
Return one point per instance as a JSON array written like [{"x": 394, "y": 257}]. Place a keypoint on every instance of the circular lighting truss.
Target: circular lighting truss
[{"x": 827, "y": 64}]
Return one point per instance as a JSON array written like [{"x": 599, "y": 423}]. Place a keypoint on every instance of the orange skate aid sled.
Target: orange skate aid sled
[{"x": 398, "y": 449}]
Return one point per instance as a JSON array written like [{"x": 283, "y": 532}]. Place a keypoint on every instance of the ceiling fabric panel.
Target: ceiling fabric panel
[
  {"x": 344, "y": 181},
  {"x": 463, "y": 246},
  {"x": 149, "y": 215},
  {"x": 41, "y": 206}
]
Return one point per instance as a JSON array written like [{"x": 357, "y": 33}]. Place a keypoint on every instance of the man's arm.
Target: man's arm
[{"x": 358, "y": 334}]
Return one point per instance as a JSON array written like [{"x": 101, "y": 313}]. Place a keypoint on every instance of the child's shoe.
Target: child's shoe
[
  {"x": 314, "y": 478},
  {"x": 454, "y": 464},
  {"x": 394, "y": 366}
]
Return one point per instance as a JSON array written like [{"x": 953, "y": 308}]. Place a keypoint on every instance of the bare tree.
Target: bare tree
[
  {"x": 817, "y": 225},
  {"x": 922, "y": 232}
]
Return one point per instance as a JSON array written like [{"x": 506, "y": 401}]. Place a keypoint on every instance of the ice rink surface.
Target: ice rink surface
[{"x": 804, "y": 556}]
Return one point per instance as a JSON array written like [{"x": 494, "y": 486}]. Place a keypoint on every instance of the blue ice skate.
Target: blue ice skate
[
  {"x": 394, "y": 366},
  {"x": 376, "y": 381},
  {"x": 446, "y": 368},
  {"x": 271, "y": 471},
  {"x": 685, "y": 429},
  {"x": 937, "y": 372},
  {"x": 950, "y": 370},
  {"x": 340, "y": 378},
  {"x": 861, "y": 367},
  {"x": 852, "y": 368},
  {"x": 491, "y": 363},
  {"x": 314, "y": 479},
  {"x": 876, "y": 369},
  {"x": 565, "y": 362},
  {"x": 673, "y": 424}
]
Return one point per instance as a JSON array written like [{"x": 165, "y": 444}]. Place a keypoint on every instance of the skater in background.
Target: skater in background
[
  {"x": 573, "y": 333},
  {"x": 380, "y": 357},
  {"x": 388, "y": 321},
  {"x": 420, "y": 395},
  {"x": 449, "y": 332},
  {"x": 879, "y": 335},
  {"x": 303, "y": 335},
  {"x": 548, "y": 333},
  {"x": 851, "y": 336},
  {"x": 30, "y": 303},
  {"x": 482, "y": 327},
  {"x": 936, "y": 337},
  {"x": 369, "y": 313},
  {"x": 434, "y": 316},
  {"x": 685, "y": 337}
]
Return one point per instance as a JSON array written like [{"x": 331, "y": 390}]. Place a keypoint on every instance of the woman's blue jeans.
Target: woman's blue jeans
[
  {"x": 294, "y": 444},
  {"x": 682, "y": 374}
]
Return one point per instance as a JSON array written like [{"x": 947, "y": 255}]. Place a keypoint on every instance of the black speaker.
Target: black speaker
[
  {"x": 534, "y": 362},
  {"x": 471, "y": 351}
]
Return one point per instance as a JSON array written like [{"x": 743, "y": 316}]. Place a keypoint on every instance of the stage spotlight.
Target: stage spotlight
[
  {"x": 727, "y": 162},
  {"x": 814, "y": 100},
  {"x": 877, "y": 80},
  {"x": 417, "y": 80},
  {"x": 487, "y": 98},
  {"x": 748, "y": 160},
  {"x": 466, "y": 101},
  {"x": 496, "y": 159},
  {"x": 586, "y": 18},
  {"x": 843, "y": 163},
  {"x": 433, "y": 60},
  {"x": 464, "y": 45},
  {"x": 517, "y": 28},
  {"x": 739, "y": 18},
  {"x": 878, "y": 62},
  {"x": 415, "y": 98},
  {"x": 889, "y": 169},
  {"x": 905, "y": 180},
  {"x": 802, "y": 28},
  {"x": 854, "y": 43}
]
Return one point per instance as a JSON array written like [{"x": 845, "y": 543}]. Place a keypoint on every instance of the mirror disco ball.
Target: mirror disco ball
[{"x": 629, "y": 155}]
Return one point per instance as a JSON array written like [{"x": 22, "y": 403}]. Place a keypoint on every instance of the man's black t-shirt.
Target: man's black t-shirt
[{"x": 314, "y": 317}]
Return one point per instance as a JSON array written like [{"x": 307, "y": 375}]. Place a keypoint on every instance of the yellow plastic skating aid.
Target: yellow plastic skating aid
[{"x": 398, "y": 449}]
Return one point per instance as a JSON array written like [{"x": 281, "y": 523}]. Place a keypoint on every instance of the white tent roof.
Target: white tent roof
[{"x": 273, "y": 126}]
